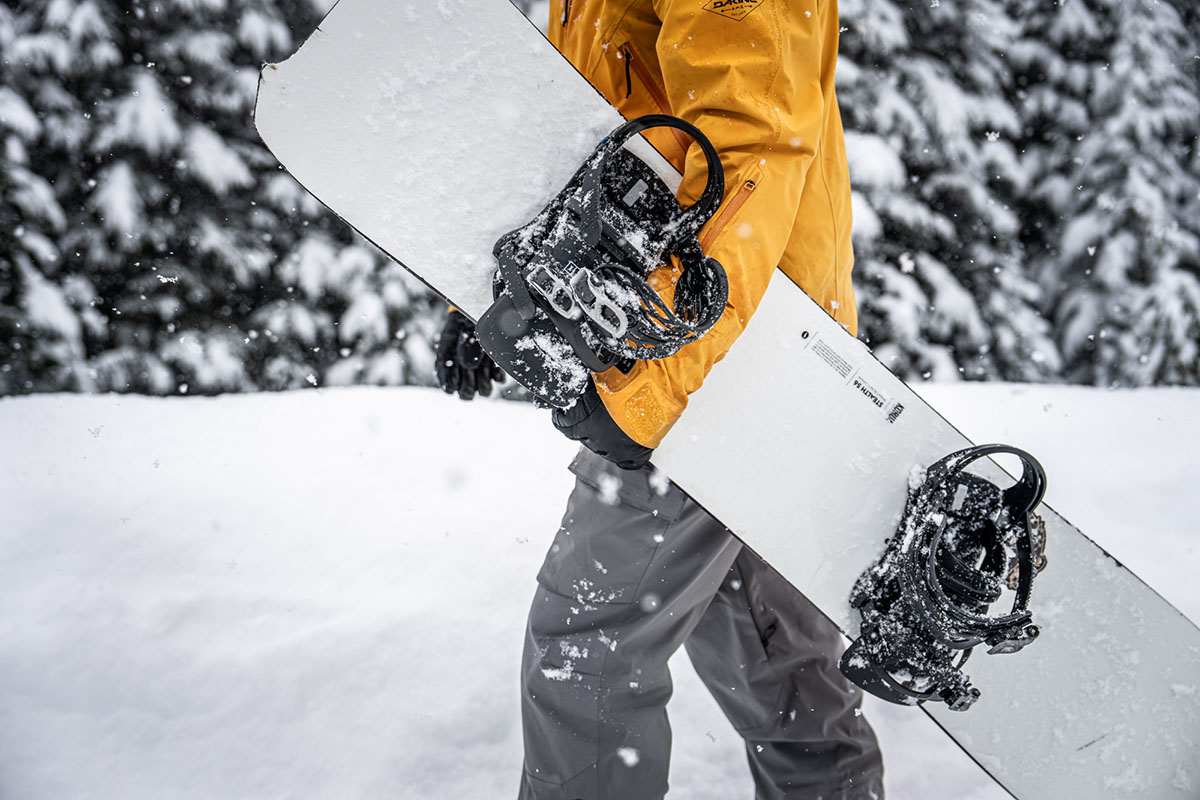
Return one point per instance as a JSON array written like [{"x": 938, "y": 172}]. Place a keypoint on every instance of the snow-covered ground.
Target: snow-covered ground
[{"x": 322, "y": 594}]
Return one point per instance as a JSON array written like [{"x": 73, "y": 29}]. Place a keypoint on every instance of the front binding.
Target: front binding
[{"x": 571, "y": 291}]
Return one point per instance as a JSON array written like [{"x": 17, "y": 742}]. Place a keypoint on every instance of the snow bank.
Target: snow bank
[{"x": 321, "y": 594}]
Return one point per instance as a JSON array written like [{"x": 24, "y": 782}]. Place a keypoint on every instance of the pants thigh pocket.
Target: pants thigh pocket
[{"x": 567, "y": 639}]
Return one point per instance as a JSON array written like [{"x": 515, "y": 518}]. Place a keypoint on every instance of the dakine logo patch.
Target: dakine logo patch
[{"x": 736, "y": 10}]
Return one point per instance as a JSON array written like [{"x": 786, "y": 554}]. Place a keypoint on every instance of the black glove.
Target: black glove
[
  {"x": 462, "y": 366},
  {"x": 589, "y": 423}
]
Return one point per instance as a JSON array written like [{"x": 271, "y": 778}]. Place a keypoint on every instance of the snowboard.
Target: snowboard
[{"x": 434, "y": 128}]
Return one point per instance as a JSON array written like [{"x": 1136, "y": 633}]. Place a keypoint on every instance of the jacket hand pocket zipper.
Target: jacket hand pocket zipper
[
  {"x": 566, "y": 12},
  {"x": 722, "y": 219}
]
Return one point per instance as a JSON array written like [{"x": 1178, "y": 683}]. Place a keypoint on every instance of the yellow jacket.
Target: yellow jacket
[{"x": 756, "y": 76}]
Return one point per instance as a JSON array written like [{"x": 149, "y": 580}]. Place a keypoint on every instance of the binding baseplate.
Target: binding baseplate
[{"x": 924, "y": 603}]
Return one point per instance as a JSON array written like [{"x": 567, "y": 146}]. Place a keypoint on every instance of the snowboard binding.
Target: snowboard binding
[
  {"x": 924, "y": 604},
  {"x": 571, "y": 292}
]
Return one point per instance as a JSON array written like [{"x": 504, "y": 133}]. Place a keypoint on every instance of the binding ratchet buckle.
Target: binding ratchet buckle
[{"x": 582, "y": 296}]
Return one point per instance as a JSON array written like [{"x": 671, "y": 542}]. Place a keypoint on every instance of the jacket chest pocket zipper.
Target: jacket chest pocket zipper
[
  {"x": 634, "y": 64},
  {"x": 739, "y": 199},
  {"x": 658, "y": 96}
]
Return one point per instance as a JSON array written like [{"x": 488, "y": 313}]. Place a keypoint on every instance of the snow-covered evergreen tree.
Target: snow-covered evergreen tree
[
  {"x": 1016, "y": 163},
  {"x": 1060, "y": 47},
  {"x": 1113, "y": 120},
  {"x": 194, "y": 263},
  {"x": 942, "y": 282},
  {"x": 41, "y": 345}
]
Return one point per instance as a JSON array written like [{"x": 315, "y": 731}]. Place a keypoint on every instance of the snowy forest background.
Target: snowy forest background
[{"x": 1026, "y": 173}]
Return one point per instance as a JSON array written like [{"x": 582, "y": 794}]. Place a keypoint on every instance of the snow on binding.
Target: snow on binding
[
  {"x": 925, "y": 602},
  {"x": 571, "y": 289}
]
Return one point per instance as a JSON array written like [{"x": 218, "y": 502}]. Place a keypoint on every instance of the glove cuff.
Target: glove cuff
[{"x": 589, "y": 423}]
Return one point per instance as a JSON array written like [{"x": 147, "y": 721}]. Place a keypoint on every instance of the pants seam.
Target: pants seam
[{"x": 604, "y": 688}]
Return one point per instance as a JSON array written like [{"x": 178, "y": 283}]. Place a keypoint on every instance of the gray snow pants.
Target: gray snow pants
[{"x": 636, "y": 570}]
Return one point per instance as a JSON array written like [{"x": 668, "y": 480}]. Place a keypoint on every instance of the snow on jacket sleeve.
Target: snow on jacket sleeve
[{"x": 757, "y": 77}]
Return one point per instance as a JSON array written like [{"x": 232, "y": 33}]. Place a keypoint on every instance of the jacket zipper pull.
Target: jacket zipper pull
[{"x": 628, "y": 79}]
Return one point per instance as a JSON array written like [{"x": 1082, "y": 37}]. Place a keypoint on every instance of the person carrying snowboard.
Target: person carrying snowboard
[{"x": 638, "y": 569}]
